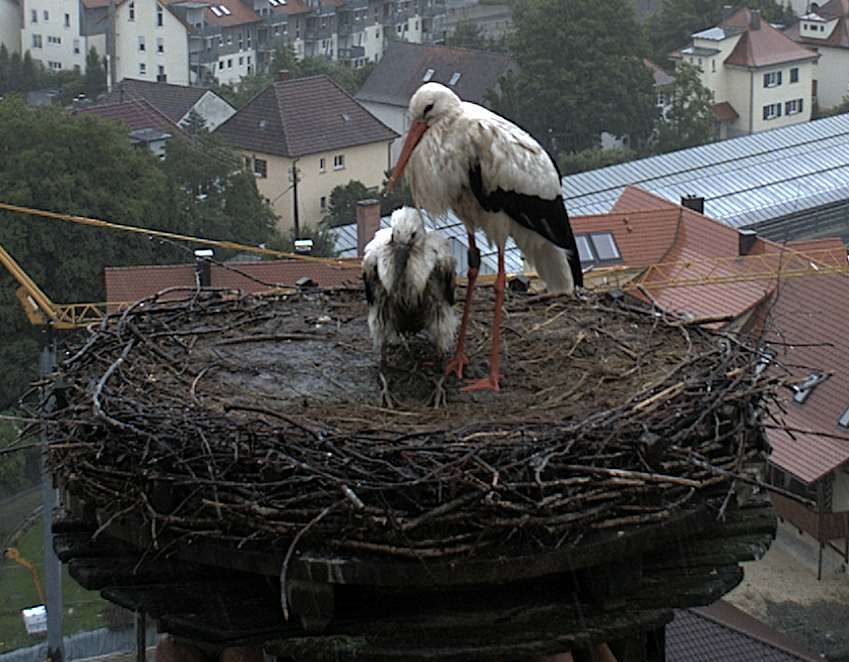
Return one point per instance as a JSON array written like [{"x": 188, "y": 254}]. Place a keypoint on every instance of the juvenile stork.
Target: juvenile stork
[
  {"x": 409, "y": 281},
  {"x": 494, "y": 176}
]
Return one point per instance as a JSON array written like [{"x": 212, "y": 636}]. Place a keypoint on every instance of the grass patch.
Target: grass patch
[{"x": 82, "y": 609}]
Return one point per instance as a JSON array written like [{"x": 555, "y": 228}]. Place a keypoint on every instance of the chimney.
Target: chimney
[
  {"x": 282, "y": 75},
  {"x": 203, "y": 266},
  {"x": 368, "y": 222},
  {"x": 693, "y": 202},
  {"x": 747, "y": 239},
  {"x": 755, "y": 19}
]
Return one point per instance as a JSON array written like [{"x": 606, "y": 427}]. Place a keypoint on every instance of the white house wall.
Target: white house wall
[
  {"x": 840, "y": 491},
  {"x": 230, "y": 69},
  {"x": 51, "y": 33},
  {"x": 373, "y": 42},
  {"x": 395, "y": 118},
  {"x": 832, "y": 74},
  {"x": 10, "y": 25},
  {"x": 147, "y": 64}
]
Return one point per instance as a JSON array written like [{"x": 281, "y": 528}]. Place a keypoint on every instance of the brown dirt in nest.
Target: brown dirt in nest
[{"x": 561, "y": 358}]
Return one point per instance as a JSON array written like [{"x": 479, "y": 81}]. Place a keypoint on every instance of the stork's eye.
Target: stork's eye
[{"x": 427, "y": 109}]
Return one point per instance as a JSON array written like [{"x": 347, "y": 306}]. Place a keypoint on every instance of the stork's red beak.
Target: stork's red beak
[{"x": 414, "y": 135}]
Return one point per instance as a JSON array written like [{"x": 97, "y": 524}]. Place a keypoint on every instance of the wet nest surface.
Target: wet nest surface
[{"x": 259, "y": 422}]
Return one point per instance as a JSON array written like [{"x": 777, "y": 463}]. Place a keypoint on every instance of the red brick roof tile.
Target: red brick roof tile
[{"x": 761, "y": 46}]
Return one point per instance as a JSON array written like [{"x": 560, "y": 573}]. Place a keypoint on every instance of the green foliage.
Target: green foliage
[
  {"x": 671, "y": 26},
  {"x": 94, "y": 80},
  {"x": 82, "y": 164},
  {"x": 581, "y": 73},
  {"x": 22, "y": 75},
  {"x": 469, "y": 35},
  {"x": 592, "y": 159},
  {"x": 839, "y": 109},
  {"x": 284, "y": 58},
  {"x": 689, "y": 121},
  {"x": 342, "y": 205},
  {"x": 324, "y": 243}
]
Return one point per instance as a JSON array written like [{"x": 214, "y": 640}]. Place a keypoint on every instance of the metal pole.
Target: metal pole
[
  {"x": 52, "y": 567},
  {"x": 295, "y": 197},
  {"x": 141, "y": 636},
  {"x": 111, "y": 46}
]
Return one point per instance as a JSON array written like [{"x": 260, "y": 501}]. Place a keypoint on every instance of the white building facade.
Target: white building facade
[
  {"x": 50, "y": 31},
  {"x": 10, "y": 25},
  {"x": 151, "y": 43}
]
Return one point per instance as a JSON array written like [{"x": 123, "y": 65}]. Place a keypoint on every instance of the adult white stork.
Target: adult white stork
[
  {"x": 494, "y": 176},
  {"x": 409, "y": 281}
]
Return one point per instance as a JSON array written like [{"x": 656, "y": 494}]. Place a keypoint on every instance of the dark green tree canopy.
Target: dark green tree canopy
[
  {"x": 581, "y": 73},
  {"x": 689, "y": 121}
]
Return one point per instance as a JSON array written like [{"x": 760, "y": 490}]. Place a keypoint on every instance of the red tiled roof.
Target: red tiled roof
[
  {"x": 240, "y": 14},
  {"x": 302, "y": 116},
  {"x": 723, "y": 633},
  {"x": 291, "y": 7},
  {"x": 136, "y": 114},
  {"x": 129, "y": 284},
  {"x": 171, "y": 100},
  {"x": 643, "y": 237},
  {"x": 761, "y": 46},
  {"x": 839, "y": 37},
  {"x": 724, "y": 112}
]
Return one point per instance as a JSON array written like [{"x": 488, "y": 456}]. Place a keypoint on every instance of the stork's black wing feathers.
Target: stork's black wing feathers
[
  {"x": 545, "y": 217},
  {"x": 370, "y": 278}
]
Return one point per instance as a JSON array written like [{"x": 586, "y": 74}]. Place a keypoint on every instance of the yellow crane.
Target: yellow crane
[{"x": 13, "y": 554}]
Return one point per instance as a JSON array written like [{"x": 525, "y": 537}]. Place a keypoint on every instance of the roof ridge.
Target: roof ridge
[{"x": 282, "y": 117}]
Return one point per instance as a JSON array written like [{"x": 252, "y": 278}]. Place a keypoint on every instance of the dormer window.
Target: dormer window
[{"x": 428, "y": 75}]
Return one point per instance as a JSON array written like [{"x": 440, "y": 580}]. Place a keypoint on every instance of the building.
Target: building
[
  {"x": 790, "y": 183},
  {"x": 223, "y": 45},
  {"x": 386, "y": 92},
  {"x": 146, "y": 126},
  {"x": 760, "y": 78},
  {"x": 51, "y": 30},
  {"x": 311, "y": 126},
  {"x": 663, "y": 88},
  {"x": 151, "y": 42},
  {"x": 176, "y": 102},
  {"x": 825, "y": 30},
  {"x": 494, "y": 21},
  {"x": 10, "y": 25}
]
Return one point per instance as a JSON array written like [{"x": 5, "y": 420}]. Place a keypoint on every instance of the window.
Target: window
[
  {"x": 220, "y": 64},
  {"x": 713, "y": 65},
  {"x": 230, "y": 63},
  {"x": 67, "y": 20},
  {"x": 662, "y": 99},
  {"x": 141, "y": 42},
  {"x": 321, "y": 165},
  {"x": 793, "y": 107},
  {"x": 36, "y": 41},
  {"x": 322, "y": 202},
  {"x": 455, "y": 78},
  {"x": 261, "y": 168},
  {"x": 249, "y": 60},
  {"x": 804, "y": 388},
  {"x": 46, "y": 15},
  {"x": 794, "y": 75},
  {"x": 241, "y": 60},
  {"x": 597, "y": 248},
  {"x": 772, "y": 111},
  {"x": 159, "y": 16},
  {"x": 142, "y": 69},
  {"x": 76, "y": 46},
  {"x": 34, "y": 16},
  {"x": 54, "y": 65},
  {"x": 160, "y": 45},
  {"x": 772, "y": 79},
  {"x": 54, "y": 40},
  {"x": 133, "y": 10},
  {"x": 339, "y": 162}
]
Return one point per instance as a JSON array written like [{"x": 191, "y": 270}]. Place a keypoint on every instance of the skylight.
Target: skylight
[
  {"x": 273, "y": 3},
  {"x": 216, "y": 11},
  {"x": 598, "y": 248},
  {"x": 428, "y": 75},
  {"x": 455, "y": 77},
  {"x": 843, "y": 421},
  {"x": 804, "y": 388},
  {"x": 224, "y": 10}
]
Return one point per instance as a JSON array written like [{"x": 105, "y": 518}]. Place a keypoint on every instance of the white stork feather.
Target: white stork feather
[{"x": 409, "y": 281}]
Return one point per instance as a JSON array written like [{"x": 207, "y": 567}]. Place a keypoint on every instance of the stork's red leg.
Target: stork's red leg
[
  {"x": 491, "y": 382},
  {"x": 456, "y": 363}
]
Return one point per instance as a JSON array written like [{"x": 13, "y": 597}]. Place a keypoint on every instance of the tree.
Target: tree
[
  {"x": 592, "y": 159},
  {"x": 213, "y": 195},
  {"x": 94, "y": 80},
  {"x": 467, "y": 35},
  {"x": 580, "y": 73},
  {"x": 671, "y": 26},
  {"x": 84, "y": 165},
  {"x": 689, "y": 121},
  {"x": 324, "y": 241},
  {"x": 342, "y": 205}
]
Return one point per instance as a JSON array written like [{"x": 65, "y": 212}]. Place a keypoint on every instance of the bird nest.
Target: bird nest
[{"x": 260, "y": 422}]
